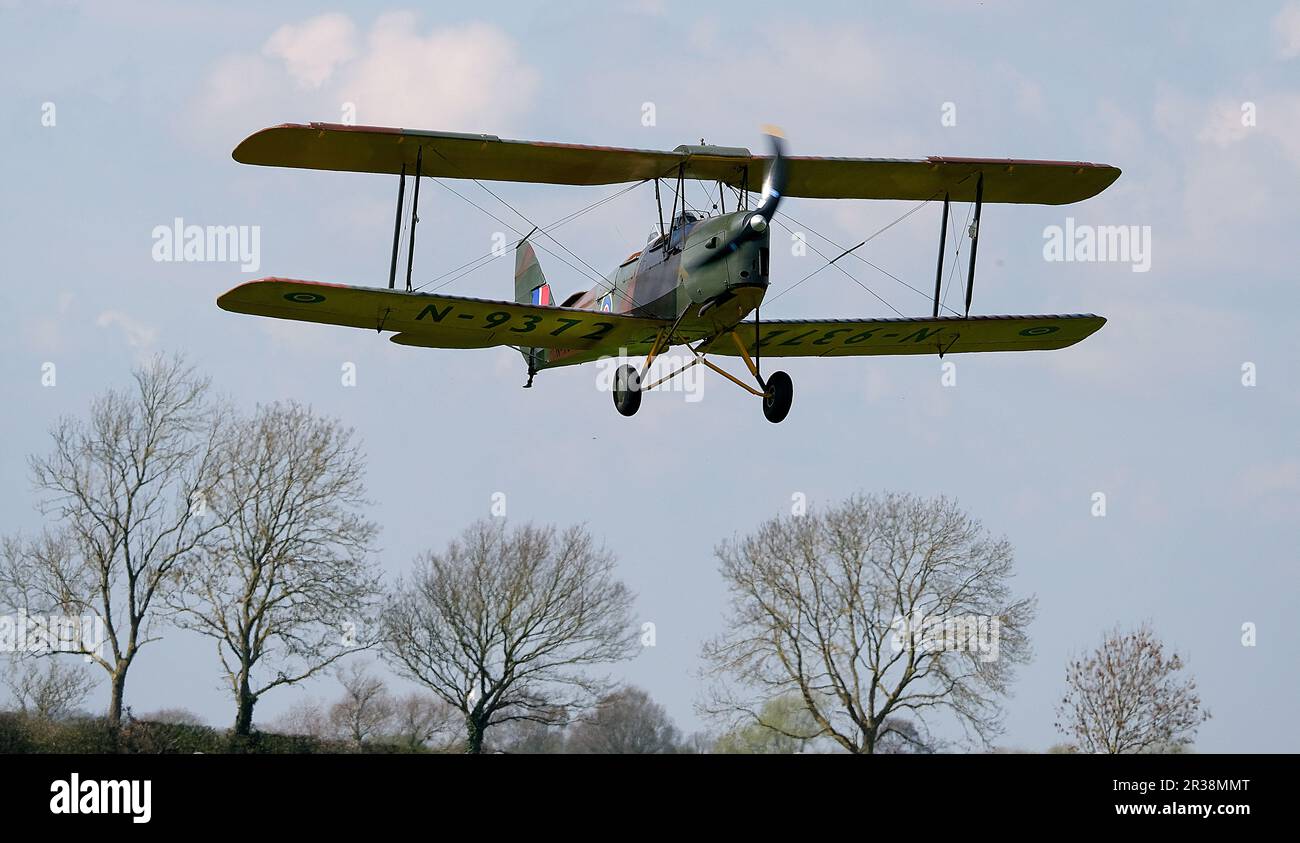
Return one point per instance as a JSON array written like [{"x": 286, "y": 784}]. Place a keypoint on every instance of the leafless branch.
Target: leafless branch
[
  {"x": 841, "y": 608},
  {"x": 504, "y": 624}
]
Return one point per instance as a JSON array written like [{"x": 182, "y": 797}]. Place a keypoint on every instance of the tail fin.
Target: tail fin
[
  {"x": 530, "y": 282},
  {"x": 531, "y": 288}
]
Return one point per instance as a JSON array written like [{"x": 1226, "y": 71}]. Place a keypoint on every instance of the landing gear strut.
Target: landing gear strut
[{"x": 777, "y": 391}]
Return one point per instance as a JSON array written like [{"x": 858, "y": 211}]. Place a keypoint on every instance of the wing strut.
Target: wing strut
[
  {"x": 672, "y": 217},
  {"x": 943, "y": 239},
  {"x": 660, "y": 205},
  {"x": 415, "y": 218},
  {"x": 397, "y": 227},
  {"x": 974, "y": 242}
]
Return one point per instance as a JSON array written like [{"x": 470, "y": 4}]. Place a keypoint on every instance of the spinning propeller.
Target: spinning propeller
[{"x": 755, "y": 224}]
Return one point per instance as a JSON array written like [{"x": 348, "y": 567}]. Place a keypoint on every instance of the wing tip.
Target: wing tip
[
  {"x": 231, "y": 297},
  {"x": 245, "y": 151}
]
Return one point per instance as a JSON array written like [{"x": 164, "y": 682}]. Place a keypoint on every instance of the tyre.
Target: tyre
[
  {"x": 627, "y": 390},
  {"x": 780, "y": 393}
]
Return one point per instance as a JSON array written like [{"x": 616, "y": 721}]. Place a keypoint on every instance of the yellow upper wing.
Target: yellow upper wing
[
  {"x": 373, "y": 149},
  {"x": 948, "y": 335},
  {"x": 437, "y": 321}
]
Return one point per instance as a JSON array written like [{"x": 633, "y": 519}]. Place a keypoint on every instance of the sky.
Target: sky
[{"x": 1182, "y": 411}]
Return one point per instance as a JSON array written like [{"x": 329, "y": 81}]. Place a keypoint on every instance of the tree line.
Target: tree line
[{"x": 859, "y": 627}]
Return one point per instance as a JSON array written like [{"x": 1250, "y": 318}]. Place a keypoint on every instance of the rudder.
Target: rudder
[
  {"x": 531, "y": 288},
  {"x": 530, "y": 281}
]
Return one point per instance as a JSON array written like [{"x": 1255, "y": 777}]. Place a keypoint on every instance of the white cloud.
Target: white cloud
[
  {"x": 1120, "y": 356},
  {"x": 1223, "y": 124},
  {"x": 463, "y": 78},
  {"x": 312, "y": 49},
  {"x": 1283, "y": 125},
  {"x": 136, "y": 333},
  {"x": 703, "y": 32},
  {"x": 306, "y": 340},
  {"x": 466, "y": 78},
  {"x": 1272, "y": 489},
  {"x": 236, "y": 98},
  {"x": 653, "y": 8},
  {"x": 1287, "y": 28},
  {"x": 1030, "y": 98},
  {"x": 1226, "y": 182},
  {"x": 45, "y": 332}
]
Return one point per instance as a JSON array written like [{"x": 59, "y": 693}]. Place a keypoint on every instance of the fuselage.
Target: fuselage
[{"x": 669, "y": 278}]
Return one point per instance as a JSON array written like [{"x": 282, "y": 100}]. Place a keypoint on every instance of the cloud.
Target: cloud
[
  {"x": 468, "y": 77},
  {"x": 312, "y": 49},
  {"x": 1119, "y": 357},
  {"x": 652, "y": 8},
  {"x": 1224, "y": 123},
  {"x": 136, "y": 333},
  {"x": 1272, "y": 490},
  {"x": 1283, "y": 125},
  {"x": 45, "y": 333},
  {"x": 1273, "y": 116},
  {"x": 306, "y": 340},
  {"x": 1224, "y": 166},
  {"x": 1286, "y": 26},
  {"x": 465, "y": 78}
]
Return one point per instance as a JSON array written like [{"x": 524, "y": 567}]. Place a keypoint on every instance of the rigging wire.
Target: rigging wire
[
  {"x": 853, "y": 253},
  {"x": 477, "y": 263},
  {"x": 593, "y": 274},
  {"x": 685, "y": 205},
  {"x": 482, "y": 260},
  {"x": 561, "y": 258},
  {"x": 869, "y": 238},
  {"x": 956, "y": 258},
  {"x": 596, "y": 274},
  {"x": 834, "y": 263}
]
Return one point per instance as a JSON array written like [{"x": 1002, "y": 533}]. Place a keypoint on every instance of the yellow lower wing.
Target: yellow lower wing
[
  {"x": 437, "y": 321},
  {"x": 949, "y": 335}
]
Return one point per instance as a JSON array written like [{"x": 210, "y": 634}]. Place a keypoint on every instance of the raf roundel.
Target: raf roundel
[{"x": 305, "y": 298}]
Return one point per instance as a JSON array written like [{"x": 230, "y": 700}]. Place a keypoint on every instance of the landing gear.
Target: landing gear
[
  {"x": 776, "y": 401},
  {"x": 627, "y": 390},
  {"x": 777, "y": 391}
]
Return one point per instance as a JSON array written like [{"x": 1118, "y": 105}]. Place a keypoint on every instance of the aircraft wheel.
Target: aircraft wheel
[
  {"x": 780, "y": 392},
  {"x": 627, "y": 390}
]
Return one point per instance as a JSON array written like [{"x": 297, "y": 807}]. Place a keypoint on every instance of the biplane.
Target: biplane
[{"x": 700, "y": 280}]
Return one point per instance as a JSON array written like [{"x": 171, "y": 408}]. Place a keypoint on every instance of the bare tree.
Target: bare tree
[
  {"x": 51, "y": 689},
  {"x": 305, "y": 717},
  {"x": 698, "y": 743},
  {"x": 285, "y": 587},
  {"x": 874, "y": 609},
  {"x": 1127, "y": 696},
  {"x": 784, "y": 726},
  {"x": 626, "y": 722},
  {"x": 172, "y": 717},
  {"x": 527, "y": 737},
  {"x": 366, "y": 710},
  {"x": 422, "y": 721},
  {"x": 901, "y": 737},
  {"x": 502, "y": 624},
  {"x": 126, "y": 487}
]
